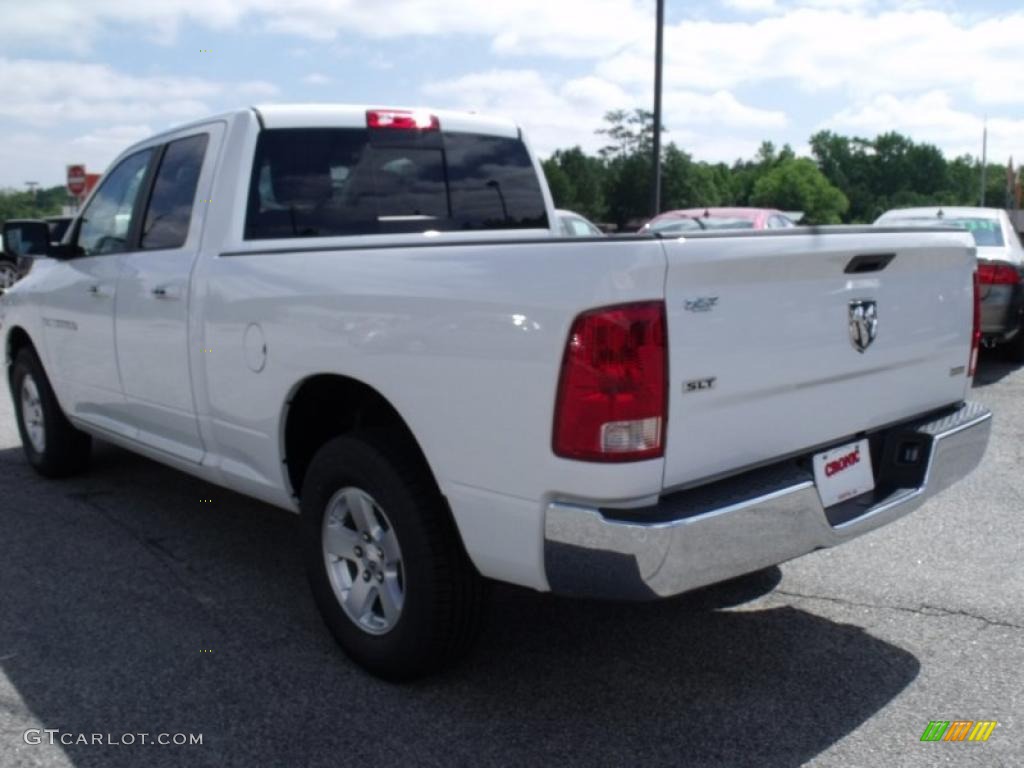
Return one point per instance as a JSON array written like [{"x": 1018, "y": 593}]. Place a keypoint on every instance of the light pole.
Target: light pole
[
  {"x": 656, "y": 190},
  {"x": 984, "y": 159}
]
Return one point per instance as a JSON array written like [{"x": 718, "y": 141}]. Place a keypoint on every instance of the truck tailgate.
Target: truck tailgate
[{"x": 762, "y": 361}]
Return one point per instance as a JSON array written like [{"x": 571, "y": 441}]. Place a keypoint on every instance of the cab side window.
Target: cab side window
[
  {"x": 174, "y": 192},
  {"x": 107, "y": 221}
]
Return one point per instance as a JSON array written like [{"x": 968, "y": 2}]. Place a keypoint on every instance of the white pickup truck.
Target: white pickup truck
[{"x": 367, "y": 316}]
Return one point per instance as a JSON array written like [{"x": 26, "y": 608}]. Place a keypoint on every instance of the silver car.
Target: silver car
[
  {"x": 573, "y": 224},
  {"x": 1000, "y": 267}
]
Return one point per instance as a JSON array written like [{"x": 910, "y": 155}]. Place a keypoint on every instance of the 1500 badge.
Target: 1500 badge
[{"x": 700, "y": 304}]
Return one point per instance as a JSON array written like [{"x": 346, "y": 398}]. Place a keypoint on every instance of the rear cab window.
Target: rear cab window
[{"x": 322, "y": 182}]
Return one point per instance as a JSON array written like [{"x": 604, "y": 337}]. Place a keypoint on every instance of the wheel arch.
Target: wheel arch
[
  {"x": 323, "y": 406},
  {"x": 17, "y": 339}
]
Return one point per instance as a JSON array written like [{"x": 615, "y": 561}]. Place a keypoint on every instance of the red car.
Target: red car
[{"x": 697, "y": 219}]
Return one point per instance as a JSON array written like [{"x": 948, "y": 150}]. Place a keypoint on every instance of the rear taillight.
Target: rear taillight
[
  {"x": 401, "y": 120},
  {"x": 998, "y": 274},
  {"x": 612, "y": 393},
  {"x": 976, "y": 330}
]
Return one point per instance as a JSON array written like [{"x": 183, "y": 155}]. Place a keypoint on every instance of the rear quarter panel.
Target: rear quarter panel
[{"x": 465, "y": 341}]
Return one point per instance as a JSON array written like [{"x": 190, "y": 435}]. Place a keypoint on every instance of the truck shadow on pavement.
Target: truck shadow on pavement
[
  {"x": 993, "y": 367},
  {"x": 130, "y": 604}
]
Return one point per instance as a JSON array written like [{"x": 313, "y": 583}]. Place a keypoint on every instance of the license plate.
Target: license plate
[{"x": 844, "y": 472}]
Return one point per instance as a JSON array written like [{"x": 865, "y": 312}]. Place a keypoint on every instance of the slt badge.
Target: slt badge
[{"x": 863, "y": 323}]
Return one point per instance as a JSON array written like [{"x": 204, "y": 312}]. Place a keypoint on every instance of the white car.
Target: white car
[
  {"x": 370, "y": 317},
  {"x": 575, "y": 225},
  {"x": 1000, "y": 267}
]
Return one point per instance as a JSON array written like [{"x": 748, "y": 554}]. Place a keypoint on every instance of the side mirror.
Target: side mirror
[{"x": 26, "y": 237}]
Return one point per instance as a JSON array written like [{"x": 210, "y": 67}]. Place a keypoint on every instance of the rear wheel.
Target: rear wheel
[
  {"x": 1014, "y": 349},
  {"x": 52, "y": 446},
  {"x": 384, "y": 560}
]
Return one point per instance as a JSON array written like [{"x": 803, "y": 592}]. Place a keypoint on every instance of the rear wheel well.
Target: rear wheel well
[{"x": 327, "y": 406}]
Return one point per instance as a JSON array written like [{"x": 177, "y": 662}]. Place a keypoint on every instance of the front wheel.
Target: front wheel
[
  {"x": 52, "y": 446},
  {"x": 384, "y": 560}
]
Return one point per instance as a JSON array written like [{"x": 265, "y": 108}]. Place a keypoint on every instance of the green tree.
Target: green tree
[
  {"x": 685, "y": 183},
  {"x": 32, "y": 205},
  {"x": 561, "y": 186},
  {"x": 628, "y": 189},
  {"x": 630, "y": 132},
  {"x": 587, "y": 178},
  {"x": 846, "y": 163},
  {"x": 963, "y": 180},
  {"x": 796, "y": 184}
]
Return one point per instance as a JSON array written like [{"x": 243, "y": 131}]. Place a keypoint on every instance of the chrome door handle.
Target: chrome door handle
[{"x": 98, "y": 291}]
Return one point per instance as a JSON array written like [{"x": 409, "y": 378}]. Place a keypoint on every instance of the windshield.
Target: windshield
[
  {"x": 986, "y": 232},
  {"x": 716, "y": 222},
  {"x": 668, "y": 226}
]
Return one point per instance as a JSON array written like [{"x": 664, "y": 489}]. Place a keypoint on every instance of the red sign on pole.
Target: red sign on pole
[
  {"x": 90, "y": 182},
  {"x": 76, "y": 180}
]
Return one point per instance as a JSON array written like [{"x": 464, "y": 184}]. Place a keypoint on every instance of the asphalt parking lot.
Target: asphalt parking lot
[{"x": 127, "y": 605}]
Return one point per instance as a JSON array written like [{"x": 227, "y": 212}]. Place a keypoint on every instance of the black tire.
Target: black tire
[
  {"x": 1013, "y": 350},
  {"x": 444, "y": 595},
  {"x": 66, "y": 450},
  {"x": 9, "y": 274}
]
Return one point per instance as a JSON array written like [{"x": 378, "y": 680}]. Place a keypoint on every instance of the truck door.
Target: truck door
[
  {"x": 77, "y": 306},
  {"x": 152, "y": 320}
]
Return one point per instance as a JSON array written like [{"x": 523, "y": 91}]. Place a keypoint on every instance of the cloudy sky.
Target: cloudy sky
[{"x": 81, "y": 79}]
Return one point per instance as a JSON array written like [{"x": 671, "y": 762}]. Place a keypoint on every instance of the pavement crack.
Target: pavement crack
[{"x": 921, "y": 610}]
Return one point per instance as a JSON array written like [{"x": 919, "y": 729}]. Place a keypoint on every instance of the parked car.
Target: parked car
[
  {"x": 8, "y": 268},
  {"x": 573, "y": 224},
  {"x": 1000, "y": 267},
  {"x": 324, "y": 308},
  {"x": 696, "y": 219},
  {"x": 16, "y": 252}
]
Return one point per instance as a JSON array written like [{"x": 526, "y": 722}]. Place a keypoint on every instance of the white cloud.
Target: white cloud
[
  {"x": 932, "y": 118},
  {"x": 52, "y": 92},
  {"x": 89, "y": 113},
  {"x": 845, "y": 5},
  {"x": 563, "y": 28},
  {"x": 42, "y": 157},
  {"x": 852, "y": 51},
  {"x": 860, "y": 46},
  {"x": 558, "y": 115},
  {"x": 720, "y": 108},
  {"x": 752, "y": 6},
  {"x": 72, "y": 26},
  {"x": 885, "y": 60}
]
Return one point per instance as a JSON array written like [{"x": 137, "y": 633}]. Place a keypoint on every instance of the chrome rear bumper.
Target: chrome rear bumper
[{"x": 732, "y": 527}]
